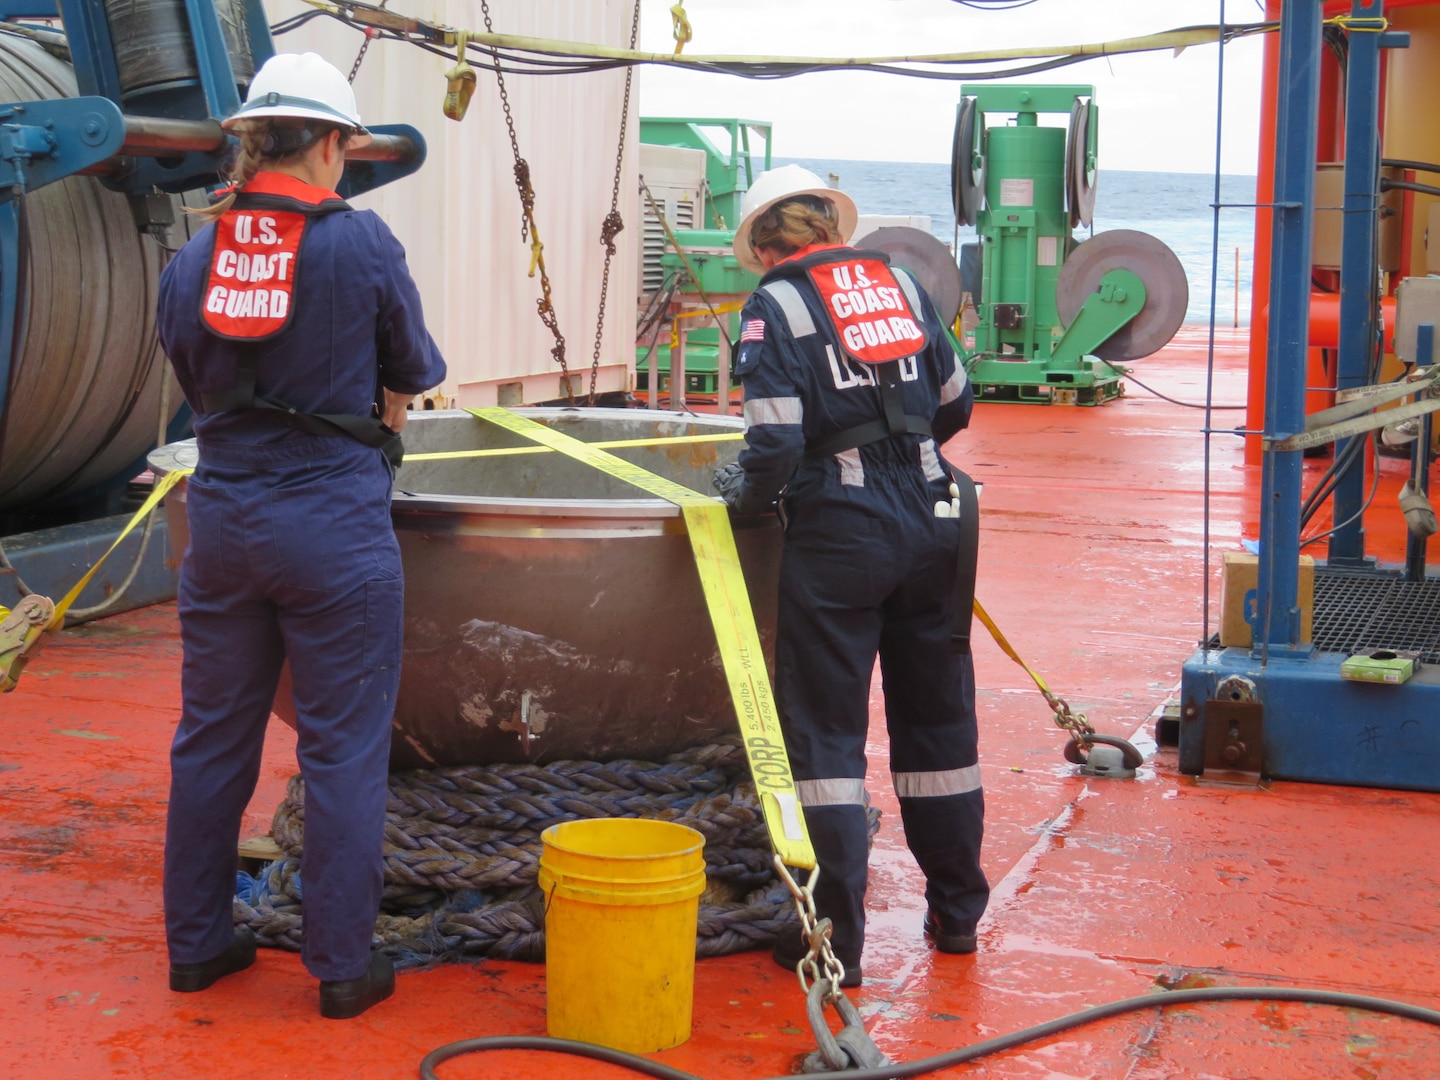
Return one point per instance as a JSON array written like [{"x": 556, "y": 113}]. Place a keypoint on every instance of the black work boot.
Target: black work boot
[
  {"x": 344, "y": 999},
  {"x": 948, "y": 935},
  {"x": 188, "y": 978}
]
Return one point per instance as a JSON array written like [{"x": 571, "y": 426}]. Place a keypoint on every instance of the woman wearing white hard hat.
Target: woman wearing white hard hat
[
  {"x": 297, "y": 335},
  {"x": 851, "y": 386}
]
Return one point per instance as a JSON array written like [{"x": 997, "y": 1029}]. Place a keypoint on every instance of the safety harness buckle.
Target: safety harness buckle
[{"x": 24, "y": 630}]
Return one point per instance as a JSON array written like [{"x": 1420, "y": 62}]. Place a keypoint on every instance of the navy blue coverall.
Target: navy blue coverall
[
  {"x": 867, "y": 569},
  {"x": 292, "y": 556}
]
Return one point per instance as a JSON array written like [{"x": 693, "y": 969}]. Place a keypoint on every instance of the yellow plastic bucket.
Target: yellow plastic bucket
[{"x": 622, "y": 900}]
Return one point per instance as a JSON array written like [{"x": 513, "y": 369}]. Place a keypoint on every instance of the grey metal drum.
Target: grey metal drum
[{"x": 552, "y": 611}]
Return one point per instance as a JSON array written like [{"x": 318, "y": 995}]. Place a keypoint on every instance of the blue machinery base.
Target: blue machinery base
[
  {"x": 1302, "y": 721},
  {"x": 51, "y": 561}
]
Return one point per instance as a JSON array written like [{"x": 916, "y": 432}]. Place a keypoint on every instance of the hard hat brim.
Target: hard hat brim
[
  {"x": 849, "y": 217},
  {"x": 361, "y": 136}
]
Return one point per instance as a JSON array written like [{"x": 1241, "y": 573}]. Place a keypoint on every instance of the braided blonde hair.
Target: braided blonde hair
[
  {"x": 265, "y": 142},
  {"x": 795, "y": 223}
]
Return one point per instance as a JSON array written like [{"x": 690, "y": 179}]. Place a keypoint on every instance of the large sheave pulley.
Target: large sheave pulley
[
  {"x": 927, "y": 258},
  {"x": 1167, "y": 293},
  {"x": 967, "y": 167},
  {"x": 1080, "y": 163}
]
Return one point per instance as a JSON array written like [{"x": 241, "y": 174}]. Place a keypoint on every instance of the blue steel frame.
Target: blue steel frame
[
  {"x": 1277, "y": 626},
  {"x": 1317, "y": 725},
  {"x": 88, "y": 129},
  {"x": 1359, "y": 277}
]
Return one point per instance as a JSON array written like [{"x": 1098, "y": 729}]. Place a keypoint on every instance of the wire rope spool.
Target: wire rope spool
[
  {"x": 154, "y": 49},
  {"x": 1080, "y": 171},
  {"x": 967, "y": 165},
  {"x": 927, "y": 258},
  {"x": 1167, "y": 292},
  {"x": 83, "y": 396}
]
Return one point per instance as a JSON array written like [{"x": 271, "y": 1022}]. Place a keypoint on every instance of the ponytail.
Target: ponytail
[
  {"x": 788, "y": 226},
  {"x": 265, "y": 142}
]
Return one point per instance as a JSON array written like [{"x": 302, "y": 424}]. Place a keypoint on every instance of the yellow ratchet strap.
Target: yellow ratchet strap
[
  {"x": 24, "y": 631},
  {"x": 610, "y": 444},
  {"x": 708, "y": 522},
  {"x": 1007, "y": 648}
]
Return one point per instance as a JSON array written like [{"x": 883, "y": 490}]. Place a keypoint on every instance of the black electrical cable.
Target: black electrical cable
[
  {"x": 1406, "y": 185},
  {"x": 1406, "y": 163},
  {"x": 1150, "y": 389},
  {"x": 1374, "y": 490},
  {"x": 1325, "y": 486},
  {"x": 950, "y": 1059},
  {"x": 534, "y": 62}
]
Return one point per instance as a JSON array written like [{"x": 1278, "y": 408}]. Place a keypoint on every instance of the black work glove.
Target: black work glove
[{"x": 729, "y": 481}]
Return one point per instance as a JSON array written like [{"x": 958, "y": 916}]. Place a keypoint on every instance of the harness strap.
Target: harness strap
[
  {"x": 966, "y": 560},
  {"x": 367, "y": 430},
  {"x": 896, "y": 422}
]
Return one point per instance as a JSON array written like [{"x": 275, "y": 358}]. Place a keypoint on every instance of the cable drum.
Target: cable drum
[
  {"x": 85, "y": 381},
  {"x": 153, "y": 47}
]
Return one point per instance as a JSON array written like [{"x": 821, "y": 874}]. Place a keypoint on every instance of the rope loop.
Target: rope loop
[{"x": 462, "y": 852}]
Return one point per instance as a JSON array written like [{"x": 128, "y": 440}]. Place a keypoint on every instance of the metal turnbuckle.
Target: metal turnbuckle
[
  {"x": 851, "y": 1047},
  {"x": 23, "y": 631}
]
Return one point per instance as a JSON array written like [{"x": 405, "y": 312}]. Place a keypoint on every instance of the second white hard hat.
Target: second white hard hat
[
  {"x": 303, "y": 85},
  {"x": 776, "y": 186}
]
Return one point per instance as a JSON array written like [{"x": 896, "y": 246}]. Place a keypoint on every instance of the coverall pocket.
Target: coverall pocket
[
  {"x": 210, "y": 513},
  {"x": 330, "y": 535},
  {"x": 384, "y": 618}
]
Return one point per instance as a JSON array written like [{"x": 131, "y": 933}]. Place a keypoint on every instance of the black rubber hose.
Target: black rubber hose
[{"x": 954, "y": 1057}]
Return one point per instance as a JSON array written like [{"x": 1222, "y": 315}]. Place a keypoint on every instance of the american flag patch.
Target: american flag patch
[{"x": 753, "y": 330}]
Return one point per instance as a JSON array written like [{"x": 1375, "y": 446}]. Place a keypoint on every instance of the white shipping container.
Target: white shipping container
[{"x": 460, "y": 218}]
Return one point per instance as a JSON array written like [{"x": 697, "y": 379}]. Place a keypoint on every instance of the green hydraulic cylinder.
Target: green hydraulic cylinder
[{"x": 1025, "y": 237}]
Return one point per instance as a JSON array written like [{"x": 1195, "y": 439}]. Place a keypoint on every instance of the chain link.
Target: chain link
[
  {"x": 545, "y": 306},
  {"x": 820, "y": 961},
  {"x": 1066, "y": 719},
  {"x": 370, "y": 33},
  {"x": 613, "y": 223}
]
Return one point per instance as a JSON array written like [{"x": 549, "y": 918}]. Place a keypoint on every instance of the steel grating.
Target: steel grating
[{"x": 1362, "y": 611}]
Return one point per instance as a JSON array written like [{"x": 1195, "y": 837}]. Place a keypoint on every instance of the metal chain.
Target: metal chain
[
  {"x": 364, "y": 47},
  {"x": 1066, "y": 719},
  {"x": 545, "y": 306},
  {"x": 820, "y": 961},
  {"x": 613, "y": 223}
]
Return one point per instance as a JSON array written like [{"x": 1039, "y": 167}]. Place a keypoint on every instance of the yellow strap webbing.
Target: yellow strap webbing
[
  {"x": 718, "y": 564},
  {"x": 162, "y": 487},
  {"x": 612, "y": 444},
  {"x": 1007, "y": 648}
]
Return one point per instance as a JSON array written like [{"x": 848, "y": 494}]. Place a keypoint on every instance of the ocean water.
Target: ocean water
[{"x": 1173, "y": 207}]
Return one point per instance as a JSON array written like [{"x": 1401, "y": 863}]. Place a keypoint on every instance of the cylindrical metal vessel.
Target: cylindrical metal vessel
[
  {"x": 1025, "y": 191},
  {"x": 552, "y": 611}
]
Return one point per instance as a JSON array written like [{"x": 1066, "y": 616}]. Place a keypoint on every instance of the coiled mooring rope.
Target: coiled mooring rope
[{"x": 462, "y": 851}]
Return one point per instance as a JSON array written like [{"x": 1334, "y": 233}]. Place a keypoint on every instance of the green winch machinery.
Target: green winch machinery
[
  {"x": 693, "y": 266},
  {"x": 1056, "y": 319}
]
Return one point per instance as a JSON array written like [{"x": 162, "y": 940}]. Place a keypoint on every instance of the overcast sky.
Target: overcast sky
[{"x": 1158, "y": 110}]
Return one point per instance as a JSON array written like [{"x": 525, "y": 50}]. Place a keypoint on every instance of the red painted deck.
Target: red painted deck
[{"x": 1091, "y": 562}]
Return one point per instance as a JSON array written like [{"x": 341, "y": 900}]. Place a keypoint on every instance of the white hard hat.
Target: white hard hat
[
  {"x": 303, "y": 85},
  {"x": 775, "y": 186}
]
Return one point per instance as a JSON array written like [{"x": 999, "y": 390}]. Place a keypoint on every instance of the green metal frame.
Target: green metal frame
[
  {"x": 729, "y": 173},
  {"x": 1021, "y": 351}
]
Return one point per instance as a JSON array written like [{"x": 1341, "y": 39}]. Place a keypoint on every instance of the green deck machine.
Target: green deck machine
[
  {"x": 689, "y": 267},
  {"x": 1057, "y": 320}
]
